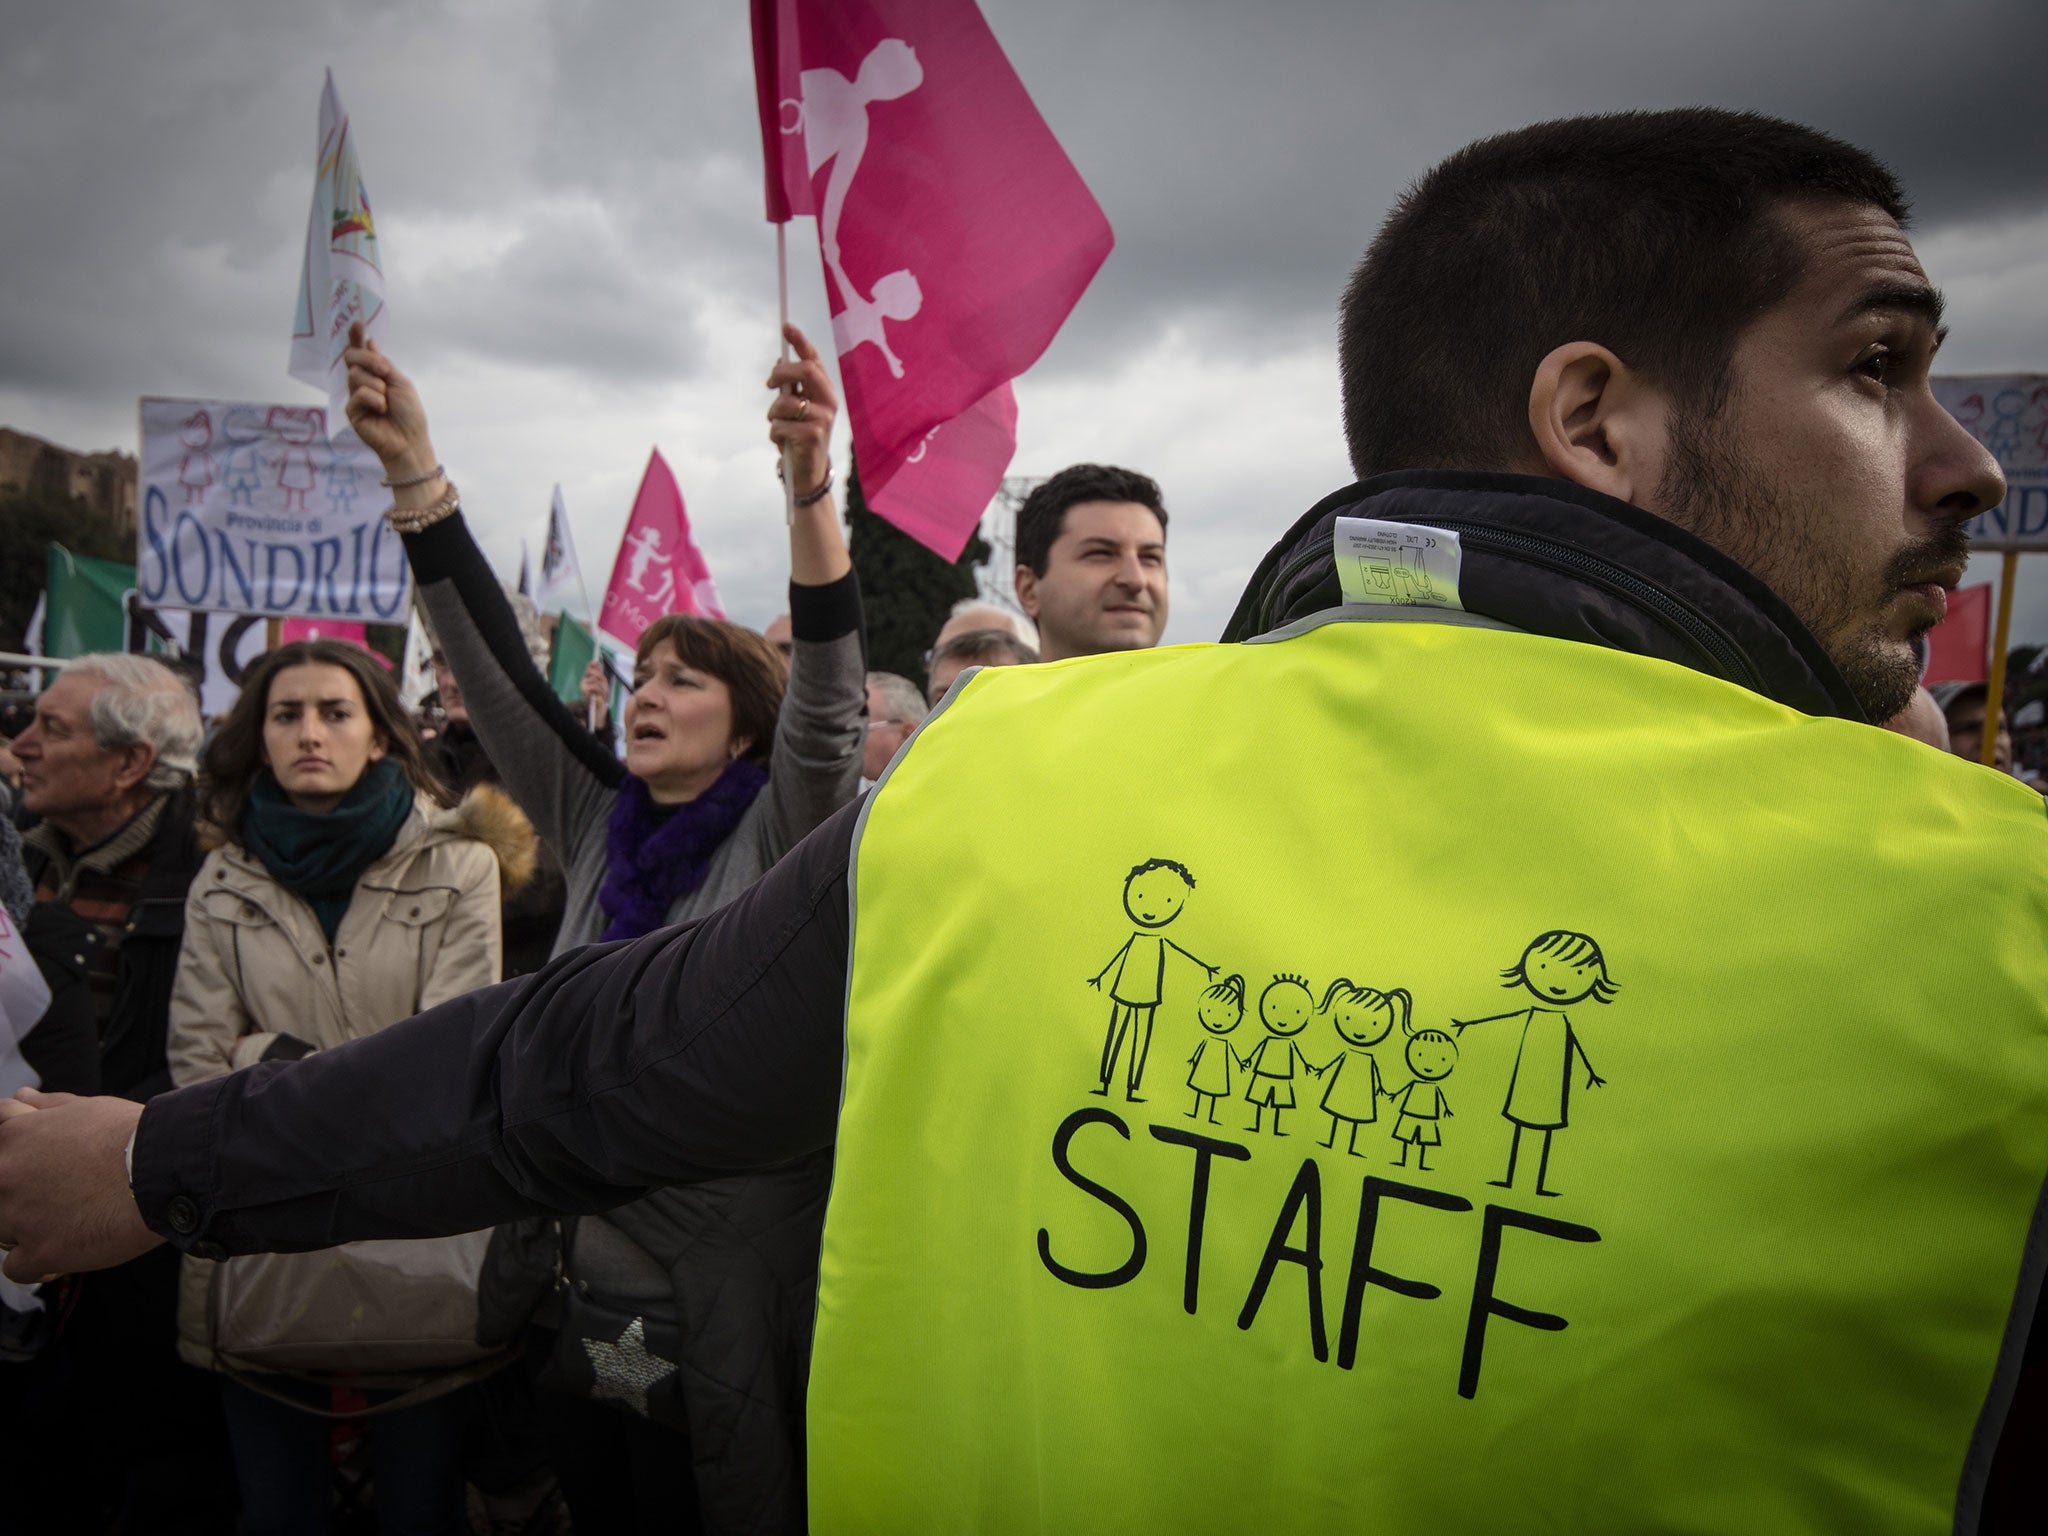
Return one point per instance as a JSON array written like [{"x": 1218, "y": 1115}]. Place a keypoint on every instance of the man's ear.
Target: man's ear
[
  {"x": 137, "y": 758},
  {"x": 1598, "y": 423},
  {"x": 1027, "y": 591}
]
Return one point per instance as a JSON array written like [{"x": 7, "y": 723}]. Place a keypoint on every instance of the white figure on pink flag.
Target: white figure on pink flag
[
  {"x": 647, "y": 553},
  {"x": 832, "y": 116},
  {"x": 659, "y": 568},
  {"x": 970, "y": 240}
]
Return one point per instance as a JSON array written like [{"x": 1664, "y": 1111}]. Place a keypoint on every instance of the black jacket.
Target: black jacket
[
  {"x": 717, "y": 1046},
  {"x": 131, "y": 1048}
]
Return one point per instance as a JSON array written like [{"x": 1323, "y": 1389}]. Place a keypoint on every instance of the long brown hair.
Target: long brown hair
[
  {"x": 751, "y": 669},
  {"x": 234, "y": 759}
]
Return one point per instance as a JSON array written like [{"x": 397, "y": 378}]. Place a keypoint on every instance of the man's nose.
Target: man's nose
[{"x": 1958, "y": 476}]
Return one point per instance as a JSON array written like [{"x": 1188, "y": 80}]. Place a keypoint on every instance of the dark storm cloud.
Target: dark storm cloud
[
  {"x": 576, "y": 186},
  {"x": 1246, "y": 155}
]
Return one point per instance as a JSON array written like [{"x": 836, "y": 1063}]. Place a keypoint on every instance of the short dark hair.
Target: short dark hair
[
  {"x": 234, "y": 759},
  {"x": 1149, "y": 865},
  {"x": 1652, "y": 233},
  {"x": 752, "y": 670},
  {"x": 1044, "y": 511}
]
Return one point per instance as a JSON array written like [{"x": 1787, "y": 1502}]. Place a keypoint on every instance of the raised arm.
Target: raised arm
[
  {"x": 822, "y": 727},
  {"x": 553, "y": 767}
]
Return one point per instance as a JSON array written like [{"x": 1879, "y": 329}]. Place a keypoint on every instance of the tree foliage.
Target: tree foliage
[
  {"x": 30, "y": 522},
  {"x": 905, "y": 588}
]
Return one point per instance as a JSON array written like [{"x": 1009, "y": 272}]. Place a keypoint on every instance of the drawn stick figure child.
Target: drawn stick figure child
[
  {"x": 1284, "y": 1008},
  {"x": 1423, "y": 1106},
  {"x": 1220, "y": 1010},
  {"x": 1558, "y": 968},
  {"x": 1154, "y": 894},
  {"x": 1363, "y": 1017}
]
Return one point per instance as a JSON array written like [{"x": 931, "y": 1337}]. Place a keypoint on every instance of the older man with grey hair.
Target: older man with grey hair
[
  {"x": 107, "y": 764},
  {"x": 895, "y": 709}
]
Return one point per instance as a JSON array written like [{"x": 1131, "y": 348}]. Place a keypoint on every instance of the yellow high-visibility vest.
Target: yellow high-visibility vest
[{"x": 1577, "y": 1095}]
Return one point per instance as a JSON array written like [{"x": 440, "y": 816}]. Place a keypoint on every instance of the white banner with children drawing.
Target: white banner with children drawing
[
  {"x": 2007, "y": 413},
  {"x": 248, "y": 508}
]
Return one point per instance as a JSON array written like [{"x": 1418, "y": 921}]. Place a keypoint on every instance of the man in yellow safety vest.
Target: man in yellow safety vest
[{"x": 1546, "y": 745}]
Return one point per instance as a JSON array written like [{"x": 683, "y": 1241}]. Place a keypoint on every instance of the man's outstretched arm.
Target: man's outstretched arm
[{"x": 699, "y": 1050}]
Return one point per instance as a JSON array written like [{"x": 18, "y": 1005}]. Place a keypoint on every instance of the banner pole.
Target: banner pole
[
  {"x": 781, "y": 333},
  {"x": 1994, "y": 689},
  {"x": 596, "y": 640}
]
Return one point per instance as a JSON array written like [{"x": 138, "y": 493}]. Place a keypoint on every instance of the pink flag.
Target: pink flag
[
  {"x": 659, "y": 568},
  {"x": 956, "y": 235},
  {"x": 289, "y": 630}
]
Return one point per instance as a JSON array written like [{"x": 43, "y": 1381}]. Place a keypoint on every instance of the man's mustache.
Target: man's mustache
[{"x": 1929, "y": 560}]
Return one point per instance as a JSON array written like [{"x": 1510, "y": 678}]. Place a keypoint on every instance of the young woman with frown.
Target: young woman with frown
[{"x": 344, "y": 897}]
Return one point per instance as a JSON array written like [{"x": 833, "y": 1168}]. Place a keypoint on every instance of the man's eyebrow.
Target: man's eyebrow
[{"x": 1920, "y": 299}]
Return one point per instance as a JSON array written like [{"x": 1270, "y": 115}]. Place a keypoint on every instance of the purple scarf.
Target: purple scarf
[{"x": 652, "y": 860}]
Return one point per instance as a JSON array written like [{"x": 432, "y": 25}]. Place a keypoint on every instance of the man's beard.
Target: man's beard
[{"x": 1714, "y": 491}]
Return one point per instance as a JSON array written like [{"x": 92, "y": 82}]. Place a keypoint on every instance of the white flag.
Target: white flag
[
  {"x": 561, "y": 578},
  {"x": 342, "y": 280},
  {"x": 416, "y": 669},
  {"x": 24, "y": 995}
]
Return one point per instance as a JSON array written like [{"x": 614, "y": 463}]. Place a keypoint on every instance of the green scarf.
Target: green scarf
[{"x": 319, "y": 857}]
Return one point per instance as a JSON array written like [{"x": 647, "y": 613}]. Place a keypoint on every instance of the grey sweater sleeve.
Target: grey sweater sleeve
[
  {"x": 554, "y": 768},
  {"x": 822, "y": 730}
]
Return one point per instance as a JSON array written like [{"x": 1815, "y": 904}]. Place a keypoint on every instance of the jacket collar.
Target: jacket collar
[{"x": 1557, "y": 559}]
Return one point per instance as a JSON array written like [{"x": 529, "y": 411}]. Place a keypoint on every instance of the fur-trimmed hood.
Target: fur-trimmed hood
[{"x": 488, "y": 815}]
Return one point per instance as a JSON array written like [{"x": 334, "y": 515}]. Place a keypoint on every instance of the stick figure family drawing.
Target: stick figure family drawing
[{"x": 1558, "y": 969}]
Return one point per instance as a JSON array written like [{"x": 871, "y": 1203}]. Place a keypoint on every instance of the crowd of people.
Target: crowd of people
[
  {"x": 586, "y": 1210},
  {"x": 331, "y": 862}
]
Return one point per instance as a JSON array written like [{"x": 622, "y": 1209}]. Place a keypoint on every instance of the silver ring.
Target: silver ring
[{"x": 803, "y": 408}]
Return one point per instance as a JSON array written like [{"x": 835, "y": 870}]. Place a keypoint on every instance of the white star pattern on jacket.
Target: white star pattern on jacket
[{"x": 625, "y": 1371}]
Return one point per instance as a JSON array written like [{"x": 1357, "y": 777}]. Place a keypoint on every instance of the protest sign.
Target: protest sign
[
  {"x": 659, "y": 568},
  {"x": 2007, "y": 413},
  {"x": 249, "y": 508},
  {"x": 220, "y": 648},
  {"x": 342, "y": 281}
]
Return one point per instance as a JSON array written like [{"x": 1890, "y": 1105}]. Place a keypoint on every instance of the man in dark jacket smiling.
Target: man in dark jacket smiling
[{"x": 1665, "y": 376}]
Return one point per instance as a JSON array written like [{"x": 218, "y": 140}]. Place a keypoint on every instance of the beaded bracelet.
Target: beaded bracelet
[
  {"x": 413, "y": 519},
  {"x": 820, "y": 493},
  {"x": 398, "y": 485}
]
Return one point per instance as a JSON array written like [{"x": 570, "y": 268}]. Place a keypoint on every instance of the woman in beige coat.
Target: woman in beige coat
[{"x": 344, "y": 898}]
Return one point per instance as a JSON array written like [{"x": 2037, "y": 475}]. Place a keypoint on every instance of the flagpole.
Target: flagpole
[
  {"x": 782, "y": 333},
  {"x": 1994, "y": 686}
]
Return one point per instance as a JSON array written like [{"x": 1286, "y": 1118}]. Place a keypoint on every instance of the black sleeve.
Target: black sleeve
[
  {"x": 64, "y": 1045},
  {"x": 710, "y": 1048},
  {"x": 445, "y": 551}
]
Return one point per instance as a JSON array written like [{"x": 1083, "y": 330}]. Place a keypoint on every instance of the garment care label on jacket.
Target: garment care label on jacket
[{"x": 1381, "y": 563}]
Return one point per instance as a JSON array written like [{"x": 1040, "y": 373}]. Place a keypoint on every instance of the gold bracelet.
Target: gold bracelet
[{"x": 413, "y": 519}]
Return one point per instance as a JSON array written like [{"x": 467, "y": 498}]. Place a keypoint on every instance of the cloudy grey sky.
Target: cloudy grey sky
[{"x": 568, "y": 202}]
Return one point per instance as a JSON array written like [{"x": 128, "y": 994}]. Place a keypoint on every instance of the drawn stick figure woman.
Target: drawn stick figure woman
[
  {"x": 1220, "y": 1010},
  {"x": 1362, "y": 1017},
  {"x": 1558, "y": 968}
]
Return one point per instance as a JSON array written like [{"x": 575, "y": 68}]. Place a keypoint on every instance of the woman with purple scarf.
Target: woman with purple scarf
[{"x": 676, "y": 1329}]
